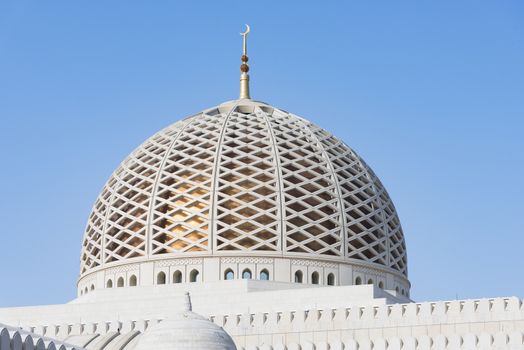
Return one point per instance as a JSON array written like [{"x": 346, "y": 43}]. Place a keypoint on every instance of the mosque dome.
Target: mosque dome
[
  {"x": 243, "y": 190},
  {"x": 185, "y": 330},
  {"x": 245, "y": 180}
]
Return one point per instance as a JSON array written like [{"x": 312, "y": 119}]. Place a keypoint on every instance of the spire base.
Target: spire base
[{"x": 244, "y": 86}]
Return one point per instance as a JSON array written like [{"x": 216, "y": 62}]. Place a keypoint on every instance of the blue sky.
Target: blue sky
[{"x": 429, "y": 93}]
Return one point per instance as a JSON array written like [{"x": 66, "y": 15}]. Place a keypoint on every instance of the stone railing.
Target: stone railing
[
  {"x": 21, "y": 339},
  {"x": 460, "y": 324}
]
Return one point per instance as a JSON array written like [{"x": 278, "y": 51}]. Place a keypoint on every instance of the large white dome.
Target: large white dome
[{"x": 245, "y": 180}]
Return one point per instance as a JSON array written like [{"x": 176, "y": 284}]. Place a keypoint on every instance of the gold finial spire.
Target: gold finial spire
[{"x": 244, "y": 68}]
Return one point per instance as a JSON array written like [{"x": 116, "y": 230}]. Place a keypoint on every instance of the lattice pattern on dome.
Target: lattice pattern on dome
[
  {"x": 180, "y": 215},
  {"x": 311, "y": 207},
  {"x": 244, "y": 177},
  {"x": 373, "y": 231},
  {"x": 246, "y": 196}
]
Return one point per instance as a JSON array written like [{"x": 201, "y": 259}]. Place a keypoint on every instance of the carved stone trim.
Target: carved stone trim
[
  {"x": 242, "y": 260},
  {"x": 314, "y": 263},
  {"x": 178, "y": 262},
  {"x": 122, "y": 268}
]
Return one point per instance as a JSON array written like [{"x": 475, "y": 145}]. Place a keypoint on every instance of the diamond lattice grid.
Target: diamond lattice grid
[
  {"x": 370, "y": 219},
  {"x": 180, "y": 216},
  {"x": 310, "y": 199},
  {"x": 247, "y": 211},
  {"x": 126, "y": 224},
  {"x": 92, "y": 245},
  {"x": 244, "y": 178},
  {"x": 396, "y": 243}
]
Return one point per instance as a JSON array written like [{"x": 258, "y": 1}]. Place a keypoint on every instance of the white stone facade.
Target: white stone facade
[
  {"x": 283, "y": 236},
  {"x": 268, "y": 315}
]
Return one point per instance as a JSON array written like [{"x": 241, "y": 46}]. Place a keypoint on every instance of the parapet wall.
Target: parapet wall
[
  {"x": 461, "y": 324},
  {"x": 19, "y": 339}
]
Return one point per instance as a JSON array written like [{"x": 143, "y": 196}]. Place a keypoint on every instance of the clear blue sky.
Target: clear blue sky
[{"x": 429, "y": 93}]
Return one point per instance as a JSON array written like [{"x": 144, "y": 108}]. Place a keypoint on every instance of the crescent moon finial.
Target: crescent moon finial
[
  {"x": 244, "y": 34},
  {"x": 244, "y": 68},
  {"x": 248, "y": 29}
]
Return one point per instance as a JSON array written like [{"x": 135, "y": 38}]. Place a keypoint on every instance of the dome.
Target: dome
[
  {"x": 185, "y": 331},
  {"x": 245, "y": 180}
]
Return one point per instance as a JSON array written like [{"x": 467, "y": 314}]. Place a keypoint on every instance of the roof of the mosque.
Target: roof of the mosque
[{"x": 18, "y": 338}]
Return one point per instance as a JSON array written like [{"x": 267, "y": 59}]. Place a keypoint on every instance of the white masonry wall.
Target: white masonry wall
[
  {"x": 21, "y": 339},
  {"x": 262, "y": 316},
  {"x": 462, "y": 324}
]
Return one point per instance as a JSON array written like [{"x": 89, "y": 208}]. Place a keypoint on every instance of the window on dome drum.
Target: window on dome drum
[
  {"x": 92, "y": 287},
  {"x": 177, "y": 277},
  {"x": 120, "y": 282},
  {"x": 109, "y": 284},
  {"x": 381, "y": 285},
  {"x": 370, "y": 281},
  {"x": 358, "y": 281},
  {"x": 314, "y": 277},
  {"x": 298, "y": 276},
  {"x": 85, "y": 291},
  {"x": 132, "y": 281},
  {"x": 161, "y": 278},
  {"x": 229, "y": 274},
  {"x": 331, "y": 279},
  {"x": 246, "y": 274},
  {"x": 264, "y": 275},
  {"x": 193, "y": 276}
]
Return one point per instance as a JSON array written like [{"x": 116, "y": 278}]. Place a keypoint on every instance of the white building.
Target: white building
[{"x": 282, "y": 235}]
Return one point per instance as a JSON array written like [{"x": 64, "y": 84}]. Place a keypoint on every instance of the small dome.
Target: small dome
[{"x": 186, "y": 331}]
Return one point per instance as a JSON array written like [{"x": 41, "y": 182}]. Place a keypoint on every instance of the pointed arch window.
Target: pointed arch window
[
  {"x": 299, "y": 276},
  {"x": 246, "y": 274},
  {"x": 161, "y": 278}
]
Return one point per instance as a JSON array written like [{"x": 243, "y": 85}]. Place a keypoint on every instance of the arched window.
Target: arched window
[
  {"x": 193, "y": 276},
  {"x": 161, "y": 278},
  {"x": 85, "y": 291},
  {"x": 120, "y": 282},
  {"x": 370, "y": 281},
  {"x": 109, "y": 284},
  {"x": 264, "y": 275},
  {"x": 381, "y": 285},
  {"x": 177, "y": 277},
  {"x": 92, "y": 287},
  {"x": 132, "y": 281},
  {"x": 314, "y": 277},
  {"x": 246, "y": 274},
  {"x": 402, "y": 292},
  {"x": 81, "y": 292},
  {"x": 298, "y": 276},
  {"x": 331, "y": 279},
  {"x": 358, "y": 281},
  {"x": 396, "y": 289},
  {"x": 229, "y": 275}
]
